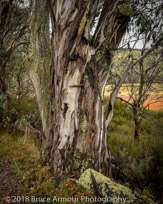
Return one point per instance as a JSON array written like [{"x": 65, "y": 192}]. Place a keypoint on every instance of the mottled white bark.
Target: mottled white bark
[{"x": 75, "y": 127}]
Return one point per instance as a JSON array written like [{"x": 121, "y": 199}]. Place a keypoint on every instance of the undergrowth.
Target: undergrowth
[
  {"x": 24, "y": 156},
  {"x": 139, "y": 162},
  {"x": 18, "y": 113}
]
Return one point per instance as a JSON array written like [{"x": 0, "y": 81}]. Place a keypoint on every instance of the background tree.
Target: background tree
[
  {"x": 145, "y": 28},
  {"x": 38, "y": 62},
  {"x": 13, "y": 23},
  {"x": 146, "y": 74},
  {"x": 130, "y": 62}
]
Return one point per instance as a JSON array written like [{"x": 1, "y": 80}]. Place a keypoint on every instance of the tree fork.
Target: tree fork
[{"x": 75, "y": 130}]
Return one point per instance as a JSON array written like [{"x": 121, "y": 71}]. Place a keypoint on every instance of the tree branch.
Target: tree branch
[
  {"x": 122, "y": 99},
  {"x": 129, "y": 66},
  {"x": 22, "y": 43},
  {"x": 12, "y": 47}
]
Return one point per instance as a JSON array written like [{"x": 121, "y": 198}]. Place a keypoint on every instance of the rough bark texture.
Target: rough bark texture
[
  {"x": 38, "y": 63},
  {"x": 76, "y": 129}
]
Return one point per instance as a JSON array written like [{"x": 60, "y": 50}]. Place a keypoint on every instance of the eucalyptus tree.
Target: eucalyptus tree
[
  {"x": 70, "y": 86},
  {"x": 146, "y": 27},
  {"x": 69, "y": 68},
  {"x": 13, "y": 24},
  {"x": 146, "y": 74}
]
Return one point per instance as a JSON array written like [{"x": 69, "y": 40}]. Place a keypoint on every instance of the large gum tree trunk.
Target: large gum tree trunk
[
  {"x": 75, "y": 132},
  {"x": 78, "y": 132}
]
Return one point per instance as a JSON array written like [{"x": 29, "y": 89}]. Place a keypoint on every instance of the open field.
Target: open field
[{"x": 155, "y": 99}]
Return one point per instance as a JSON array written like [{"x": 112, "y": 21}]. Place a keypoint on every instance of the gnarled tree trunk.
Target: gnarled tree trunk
[{"x": 75, "y": 131}]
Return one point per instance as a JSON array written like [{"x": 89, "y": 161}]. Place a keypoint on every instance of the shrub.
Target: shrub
[
  {"x": 140, "y": 161},
  {"x": 19, "y": 111}
]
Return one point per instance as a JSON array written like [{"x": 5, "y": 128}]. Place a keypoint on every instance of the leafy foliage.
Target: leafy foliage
[
  {"x": 147, "y": 18},
  {"x": 19, "y": 114}
]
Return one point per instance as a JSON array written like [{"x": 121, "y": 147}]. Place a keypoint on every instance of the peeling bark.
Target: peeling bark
[{"x": 75, "y": 132}]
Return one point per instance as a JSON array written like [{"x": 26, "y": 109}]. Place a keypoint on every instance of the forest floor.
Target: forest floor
[
  {"x": 24, "y": 180},
  {"x": 10, "y": 186}
]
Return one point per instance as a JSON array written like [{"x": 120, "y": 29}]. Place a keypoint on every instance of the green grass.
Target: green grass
[
  {"x": 140, "y": 161},
  {"x": 23, "y": 153},
  {"x": 19, "y": 113},
  {"x": 24, "y": 156}
]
